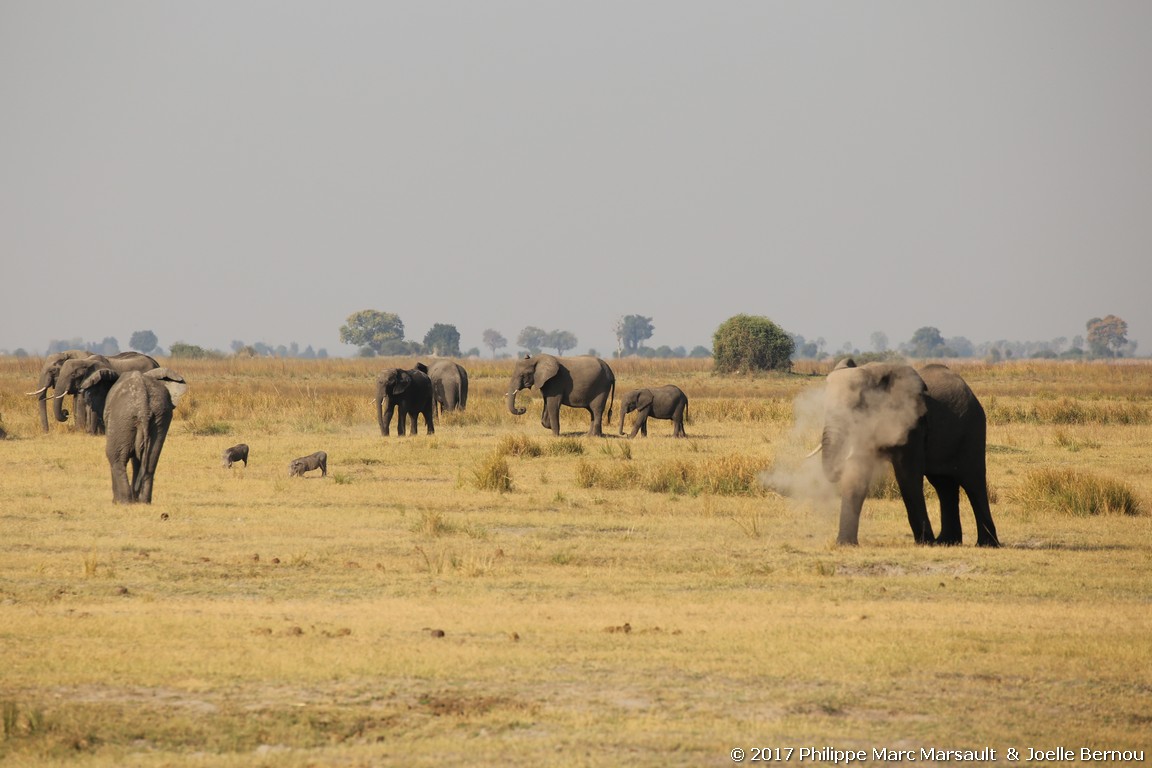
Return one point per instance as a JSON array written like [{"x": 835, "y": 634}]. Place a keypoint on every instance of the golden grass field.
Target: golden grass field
[{"x": 641, "y": 602}]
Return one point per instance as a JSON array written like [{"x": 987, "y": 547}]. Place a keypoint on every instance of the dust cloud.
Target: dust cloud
[
  {"x": 794, "y": 476},
  {"x": 873, "y": 418}
]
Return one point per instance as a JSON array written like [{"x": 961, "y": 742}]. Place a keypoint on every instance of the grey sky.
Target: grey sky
[{"x": 260, "y": 170}]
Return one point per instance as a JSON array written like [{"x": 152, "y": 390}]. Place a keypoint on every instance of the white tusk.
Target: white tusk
[
  {"x": 61, "y": 395},
  {"x": 815, "y": 451},
  {"x": 40, "y": 391}
]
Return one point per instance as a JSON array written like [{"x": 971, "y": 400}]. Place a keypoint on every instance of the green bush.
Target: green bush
[{"x": 745, "y": 343}]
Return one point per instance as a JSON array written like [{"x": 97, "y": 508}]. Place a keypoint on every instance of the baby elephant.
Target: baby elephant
[
  {"x": 667, "y": 402},
  {"x": 234, "y": 454},
  {"x": 318, "y": 460}
]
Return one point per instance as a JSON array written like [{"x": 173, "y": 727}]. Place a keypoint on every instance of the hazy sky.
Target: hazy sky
[{"x": 260, "y": 170}]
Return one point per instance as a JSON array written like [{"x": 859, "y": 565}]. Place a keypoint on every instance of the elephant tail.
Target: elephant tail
[
  {"x": 143, "y": 449},
  {"x": 611, "y": 399}
]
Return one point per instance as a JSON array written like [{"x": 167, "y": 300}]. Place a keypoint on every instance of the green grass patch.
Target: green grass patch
[{"x": 1079, "y": 493}]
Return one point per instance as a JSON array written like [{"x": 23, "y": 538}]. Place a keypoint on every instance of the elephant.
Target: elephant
[
  {"x": 449, "y": 385},
  {"x": 578, "y": 382},
  {"x": 48, "y": 375},
  {"x": 234, "y": 454},
  {"x": 410, "y": 391},
  {"x": 136, "y": 409},
  {"x": 667, "y": 402},
  {"x": 318, "y": 460},
  {"x": 927, "y": 424},
  {"x": 76, "y": 370}
]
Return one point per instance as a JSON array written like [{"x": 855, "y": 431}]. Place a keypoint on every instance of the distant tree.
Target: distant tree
[
  {"x": 443, "y": 340},
  {"x": 925, "y": 342},
  {"x": 399, "y": 347},
  {"x": 560, "y": 341},
  {"x": 751, "y": 343},
  {"x": 494, "y": 340},
  {"x": 879, "y": 341},
  {"x": 108, "y": 347},
  {"x": 192, "y": 351},
  {"x": 372, "y": 329},
  {"x": 959, "y": 347},
  {"x": 20, "y": 352},
  {"x": 1107, "y": 336},
  {"x": 803, "y": 349},
  {"x": 308, "y": 353},
  {"x": 700, "y": 351},
  {"x": 143, "y": 341},
  {"x": 631, "y": 330},
  {"x": 532, "y": 339},
  {"x": 63, "y": 345}
]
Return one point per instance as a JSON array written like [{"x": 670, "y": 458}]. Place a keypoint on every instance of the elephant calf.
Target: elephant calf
[
  {"x": 318, "y": 460},
  {"x": 234, "y": 454},
  {"x": 667, "y": 402}
]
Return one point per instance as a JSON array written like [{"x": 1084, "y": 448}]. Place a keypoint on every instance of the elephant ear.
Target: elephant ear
[
  {"x": 421, "y": 367},
  {"x": 546, "y": 367},
  {"x": 845, "y": 363},
  {"x": 644, "y": 399},
  {"x": 403, "y": 379},
  {"x": 171, "y": 380},
  {"x": 101, "y": 377}
]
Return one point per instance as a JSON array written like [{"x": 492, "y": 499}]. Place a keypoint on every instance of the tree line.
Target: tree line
[{"x": 743, "y": 342}]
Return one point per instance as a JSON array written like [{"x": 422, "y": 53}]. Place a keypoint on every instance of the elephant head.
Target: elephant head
[
  {"x": 72, "y": 373},
  {"x": 868, "y": 411},
  {"x": 530, "y": 372},
  {"x": 632, "y": 401},
  {"x": 48, "y": 375}
]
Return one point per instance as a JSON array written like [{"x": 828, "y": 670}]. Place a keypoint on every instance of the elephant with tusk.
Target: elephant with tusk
[
  {"x": 928, "y": 424},
  {"x": 579, "y": 382}
]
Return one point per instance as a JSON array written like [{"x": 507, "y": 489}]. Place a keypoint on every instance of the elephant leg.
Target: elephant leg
[
  {"x": 544, "y": 416},
  {"x": 910, "y": 478},
  {"x": 678, "y": 421},
  {"x": 146, "y": 471},
  {"x": 428, "y": 421},
  {"x": 552, "y": 414},
  {"x": 121, "y": 487},
  {"x": 644, "y": 425},
  {"x": 853, "y": 489},
  {"x": 401, "y": 419},
  {"x": 596, "y": 425},
  {"x": 386, "y": 424},
  {"x": 85, "y": 419},
  {"x": 977, "y": 491},
  {"x": 948, "y": 489},
  {"x": 637, "y": 423}
]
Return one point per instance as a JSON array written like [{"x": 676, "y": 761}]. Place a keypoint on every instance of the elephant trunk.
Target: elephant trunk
[
  {"x": 380, "y": 405},
  {"x": 623, "y": 417},
  {"x": 512, "y": 403},
  {"x": 58, "y": 406},
  {"x": 834, "y": 453},
  {"x": 42, "y": 407}
]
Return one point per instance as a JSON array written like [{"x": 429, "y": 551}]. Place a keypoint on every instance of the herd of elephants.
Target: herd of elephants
[{"x": 927, "y": 423}]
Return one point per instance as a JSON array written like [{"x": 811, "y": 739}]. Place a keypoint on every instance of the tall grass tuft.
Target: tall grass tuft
[
  {"x": 1078, "y": 493},
  {"x": 731, "y": 475},
  {"x": 493, "y": 474},
  {"x": 566, "y": 446},
  {"x": 518, "y": 445}
]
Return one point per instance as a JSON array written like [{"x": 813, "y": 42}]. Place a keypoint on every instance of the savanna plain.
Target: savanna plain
[{"x": 491, "y": 594}]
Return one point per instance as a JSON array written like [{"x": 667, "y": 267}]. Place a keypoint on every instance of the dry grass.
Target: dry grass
[{"x": 493, "y": 595}]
